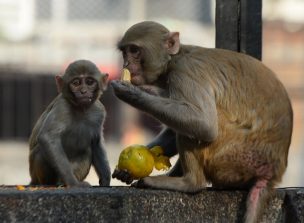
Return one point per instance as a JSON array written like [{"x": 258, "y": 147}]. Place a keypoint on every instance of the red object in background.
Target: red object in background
[{"x": 113, "y": 71}]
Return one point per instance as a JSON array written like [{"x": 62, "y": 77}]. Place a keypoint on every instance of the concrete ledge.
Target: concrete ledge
[{"x": 125, "y": 204}]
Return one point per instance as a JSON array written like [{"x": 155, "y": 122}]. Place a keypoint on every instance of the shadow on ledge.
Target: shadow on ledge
[{"x": 125, "y": 204}]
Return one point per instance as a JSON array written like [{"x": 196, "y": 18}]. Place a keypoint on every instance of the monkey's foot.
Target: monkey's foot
[
  {"x": 82, "y": 184},
  {"x": 163, "y": 182},
  {"x": 140, "y": 184}
]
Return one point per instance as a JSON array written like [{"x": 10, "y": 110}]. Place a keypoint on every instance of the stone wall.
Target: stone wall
[{"x": 125, "y": 204}]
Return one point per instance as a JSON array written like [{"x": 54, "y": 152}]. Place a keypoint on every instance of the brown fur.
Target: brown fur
[{"x": 231, "y": 115}]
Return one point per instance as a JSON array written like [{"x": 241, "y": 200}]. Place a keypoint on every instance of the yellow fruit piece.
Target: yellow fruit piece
[
  {"x": 137, "y": 160},
  {"x": 157, "y": 151},
  {"x": 162, "y": 163},
  {"x": 20, "y": 187},
  {"x": 126, "y": 75}
]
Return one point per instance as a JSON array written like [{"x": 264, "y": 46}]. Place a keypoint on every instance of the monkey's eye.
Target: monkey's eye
[
  {"x": 76, "y": 82},
  {"x": 90, "y": 81},
  {"x": 134, "y": 50}
]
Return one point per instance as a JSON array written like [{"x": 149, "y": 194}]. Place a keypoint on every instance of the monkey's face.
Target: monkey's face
[
  {"x": 147, "y": 48},
  {"x": 84, "y": 89},
  {"x": 82, "y": 83},
  {"x": 133, "y": 59},
  {"x": 145, "y": 66}
]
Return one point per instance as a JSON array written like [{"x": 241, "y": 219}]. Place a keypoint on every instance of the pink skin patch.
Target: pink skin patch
[
  {"x": 264, "y": 171},
  {"x": 255, "y": 191},
  {"x": 253, "y": 161}
]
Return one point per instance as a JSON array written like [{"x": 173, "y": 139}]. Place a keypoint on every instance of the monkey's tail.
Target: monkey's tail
[{"x": 258, "y": 196}]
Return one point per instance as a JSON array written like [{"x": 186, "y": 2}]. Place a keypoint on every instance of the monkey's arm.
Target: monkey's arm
[
  {"x": 167, "y": 140},
  {"x": 49, "y": 140},
  {"x": 193, "y": 115},
  {"x": 100, "y": 162},
  {"x": 55, "y": 155}
]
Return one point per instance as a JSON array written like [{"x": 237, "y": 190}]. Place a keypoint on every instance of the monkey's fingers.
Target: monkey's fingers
[
  {"x": 127, "y": 179},
  {"x": 125, "y": 91},
  {"x": 116, "y": 173},
  {"x": 119, "y": 87},
  {"x": 122, "y": 175},
  {"x": 148, "y": 89}
]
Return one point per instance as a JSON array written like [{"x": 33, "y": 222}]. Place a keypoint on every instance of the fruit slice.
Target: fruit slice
[
  {"x": 162, "y": 163},
  {"x": 126, "y": 75},
  {"x": 157, "y": 151}
]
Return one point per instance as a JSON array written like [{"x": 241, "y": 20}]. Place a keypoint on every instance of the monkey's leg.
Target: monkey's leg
[
  {"x": 41, "y": 173},
  {"x": 101, "y": 163},
  {"x": 177, "y": 170},
  {"x": 192, "y": 181},
  {"x": 239, "y": 168},
  {"x": 235, "y": 167}
]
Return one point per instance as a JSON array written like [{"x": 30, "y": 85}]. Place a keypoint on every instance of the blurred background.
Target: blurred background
[{"x": 39, "y": 38}]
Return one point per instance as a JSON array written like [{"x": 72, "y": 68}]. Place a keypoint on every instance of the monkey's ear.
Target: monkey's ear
[
  {"x": 59, "y": 83},
  {"x": 172, "y": 43},
  {"x": 104, "y": 81}
]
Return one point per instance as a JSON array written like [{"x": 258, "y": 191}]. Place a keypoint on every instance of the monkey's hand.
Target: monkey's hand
[
  {"x": 123, "y": 176},
  {"x": 150, "y": 89},
  {"x": 131, "y": 94},
  {"x": 124, "y": 89}
]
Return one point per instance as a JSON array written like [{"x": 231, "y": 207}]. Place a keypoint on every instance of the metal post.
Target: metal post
[
  {"x": 239, "y": 26},
  {"x": 251, "y": 28}
]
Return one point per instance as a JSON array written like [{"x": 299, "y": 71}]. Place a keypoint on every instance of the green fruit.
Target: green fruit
[{"x": 137, "y": 160}]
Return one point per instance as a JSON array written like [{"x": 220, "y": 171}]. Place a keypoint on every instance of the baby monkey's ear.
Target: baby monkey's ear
[
  {"x": 104, "y": 80},
  {"x": 59, "y": 83}
]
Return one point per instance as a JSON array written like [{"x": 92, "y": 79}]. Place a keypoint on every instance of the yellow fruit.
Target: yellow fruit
[
  {"x": 20, "y": 187},
  {"x": 126, "y": 75},
  {"x": 162, "y": 162},
  {"x": 137, "y": 160},
  {"x": 157, "y": 151}
]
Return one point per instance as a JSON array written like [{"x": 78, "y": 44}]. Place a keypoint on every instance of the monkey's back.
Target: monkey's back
[
  {"x": 244, "y": 88},
  {"x": 254, "y": 110},
  {"x": 251, "y": 98}
]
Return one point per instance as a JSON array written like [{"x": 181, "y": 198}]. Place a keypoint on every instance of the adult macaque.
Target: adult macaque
[
  {"x": 227, "y": 114},
  {"x": 67, "y": 139}
]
